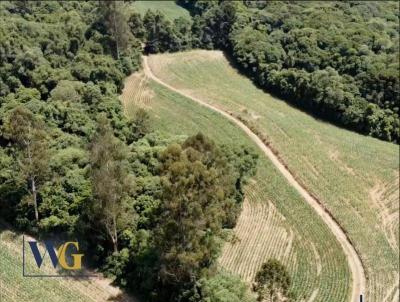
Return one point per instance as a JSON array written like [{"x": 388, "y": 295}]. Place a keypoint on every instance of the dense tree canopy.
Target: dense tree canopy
[
  {"x": 338, "y": 60},
  {"x": 71, "y": 163},
  {"x": 155, "y": 207},
  {"x": 184, "y": 198},
  {"x": 57, "y": 73}
]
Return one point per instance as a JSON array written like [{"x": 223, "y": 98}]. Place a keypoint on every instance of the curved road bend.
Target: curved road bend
[{"x": 354, "y": 261}]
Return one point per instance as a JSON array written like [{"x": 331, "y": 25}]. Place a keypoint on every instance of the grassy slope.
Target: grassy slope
[
  {"x": 275, "y": 222},
  {"x": 169, "y": 8},
  {"x": 355, "y": 176},
  {"x": 15, "y": 287}
]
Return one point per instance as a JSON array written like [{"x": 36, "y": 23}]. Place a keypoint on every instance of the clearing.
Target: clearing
[
  {"x": 354, "y": 261},
  {"x": 355, "y": 177},
  {"x": 286, "y": 227}
]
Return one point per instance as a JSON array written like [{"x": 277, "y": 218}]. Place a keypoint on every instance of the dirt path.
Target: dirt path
[{"x": 355, "y": 264}]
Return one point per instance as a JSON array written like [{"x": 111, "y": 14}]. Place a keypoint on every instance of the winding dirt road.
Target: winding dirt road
[{"x": 354, "y": 261}]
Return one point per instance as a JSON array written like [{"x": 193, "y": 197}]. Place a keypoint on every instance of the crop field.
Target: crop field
[
  {"x": 15, "y": 287},
  {"x": 275, "y": 221},
  {"x": 169, "y": 8},
  {"x": 356, "y": 177}
]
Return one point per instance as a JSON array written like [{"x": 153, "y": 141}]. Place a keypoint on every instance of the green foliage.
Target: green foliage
[
  {"x": 28, "y": 135},
  {"x": 224, "y": 287},
  {"x": 197, "y": 190},
  {"x": 272, "y": 281},
  {"x": 110, "y": 182},
  {"x": 67, "y": 91},
  {"x": 243, "y": 161},
  {"x": 333, "y": 60},
  {"x": 169, "y": 9},
  {"x": 162, "y": 35},
  {"x": 67, "y": 148},
  {"x": 115, "y": 24},
  {"x": 184, "y": 194},
  {"x": 57, "y": 65},
  {"x": 139, "y": 125},
  {"x": 135, "y": 24},
  {"x": 64, "y": 197}
]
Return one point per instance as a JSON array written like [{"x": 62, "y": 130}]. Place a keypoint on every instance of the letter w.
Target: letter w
[{"x": 39, "y": 258}]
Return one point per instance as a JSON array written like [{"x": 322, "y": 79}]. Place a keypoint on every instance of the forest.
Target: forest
[
  {"x": 156, "y": 209},
  {"x": 153, "y": 210}
]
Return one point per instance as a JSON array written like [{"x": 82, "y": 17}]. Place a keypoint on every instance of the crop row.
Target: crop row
[
  {"x": 275, "y": 221},
  {"x": 356, "y": 177}
]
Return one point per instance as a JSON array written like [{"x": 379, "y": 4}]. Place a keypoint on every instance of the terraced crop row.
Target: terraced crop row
[
  {"x": 275, "y": 221},
  {"x": 355, "y": 176},
  {"x": 136, "y": 93},
  {"x": 274, "y": 240}
]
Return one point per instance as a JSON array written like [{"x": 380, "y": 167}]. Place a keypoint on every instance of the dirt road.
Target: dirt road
[{"x": 355, "y": 264}]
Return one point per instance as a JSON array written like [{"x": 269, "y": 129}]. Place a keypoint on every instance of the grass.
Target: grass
[
  {"x": 15, "y": 287},
  {"x": 275, "y": 221},
  {"x": 169, "y": 8},
  {"x": 355, "y": 176}
]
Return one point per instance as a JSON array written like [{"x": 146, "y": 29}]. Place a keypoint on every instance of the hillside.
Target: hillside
[
  {"x": 200, "y": 151},
  {"x": 336, "y": 60},
  {"x": 356, "y": 177},
  {"x": 273, "y": 208}
]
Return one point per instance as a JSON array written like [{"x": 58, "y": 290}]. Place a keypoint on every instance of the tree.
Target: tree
[
  {"x": 160, "y": 34},
  {"x": 116, "y": 24},
  {"x": 139, "y": 126},
  {"x": 195, "y": 191},
  {"x": 135, "y": 23},
  {"x": 224, "y": 287},
  {"x": 272, "y": 280},
  {"x": 29, "y": 137},
  {"x": 182, "y": 28},
  {"x": 110, "y": 182},
  {"x": 218, "y": 21}
]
